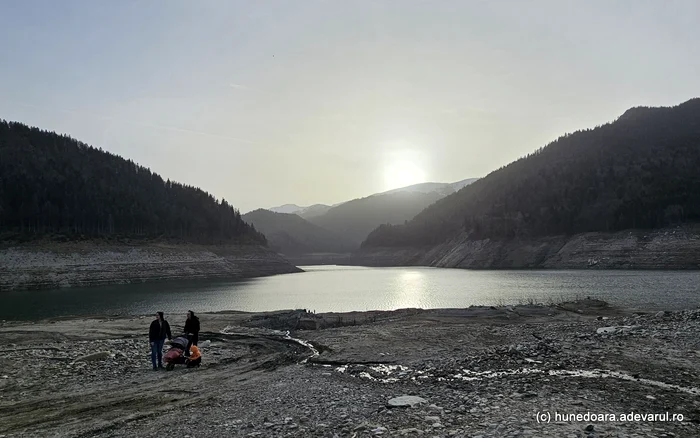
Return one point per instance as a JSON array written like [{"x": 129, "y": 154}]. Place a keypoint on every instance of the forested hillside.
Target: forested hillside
[
  {"x": 52, "y": 185},
  {"x": 640, "y": 171},
  {"x": 291, "y": 234}
]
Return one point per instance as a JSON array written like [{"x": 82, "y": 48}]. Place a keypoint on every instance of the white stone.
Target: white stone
[{"x": 406, "y": 401}]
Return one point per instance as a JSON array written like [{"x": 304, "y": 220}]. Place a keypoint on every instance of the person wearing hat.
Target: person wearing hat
[{"x": 159, "y": 330}]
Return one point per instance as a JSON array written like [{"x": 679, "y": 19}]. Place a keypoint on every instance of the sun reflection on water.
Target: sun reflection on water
[{"x": 411, "y": 287}]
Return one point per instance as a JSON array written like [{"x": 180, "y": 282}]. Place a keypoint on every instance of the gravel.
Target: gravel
[{"x": 442, "y": 373}]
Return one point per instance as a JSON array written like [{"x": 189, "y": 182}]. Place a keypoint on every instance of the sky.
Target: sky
[{"x": 267, "y": 102}]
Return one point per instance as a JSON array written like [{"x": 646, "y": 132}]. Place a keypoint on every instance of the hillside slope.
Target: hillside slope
[
  {"x": 73, "y": 215},
  {"x": 357, "y": 218},
  {"x": 638, "y": 172},
  {"x": 42, "y": 264},
  {"x": 443, "y": 188},
  {"x": 342, "y": 227},
  {"x": 291, "y": 234},
  {"x": 54, "y": 184},
  {"x": 313, "y": 210}
]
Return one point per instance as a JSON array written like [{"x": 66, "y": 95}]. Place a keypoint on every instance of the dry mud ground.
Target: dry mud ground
[{"x": 480, "y": 372}]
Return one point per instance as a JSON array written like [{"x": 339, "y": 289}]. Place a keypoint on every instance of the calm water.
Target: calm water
[{"x": 342, "y": 288}]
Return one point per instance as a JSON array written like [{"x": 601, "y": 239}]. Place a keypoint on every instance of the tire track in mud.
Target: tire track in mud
[{"x": 90, "y": 411}]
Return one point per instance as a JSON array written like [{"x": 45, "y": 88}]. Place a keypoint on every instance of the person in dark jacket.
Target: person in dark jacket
[
  {"x": 159, "y": 330},
  {"x": 191, "y": 330}
]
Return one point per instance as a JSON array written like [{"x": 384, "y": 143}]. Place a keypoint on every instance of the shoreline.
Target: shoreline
[
  {"x": 479, "y": 371},
  {"x": 49, "y": 265},
  {"x": 56, "y": 265},
  {"x": 676, "y": 248}
]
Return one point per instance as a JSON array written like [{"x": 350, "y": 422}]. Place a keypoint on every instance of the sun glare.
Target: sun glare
[{"x": 403, "y": 174}]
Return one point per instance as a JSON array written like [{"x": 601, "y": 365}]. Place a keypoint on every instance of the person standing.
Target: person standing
[
  {"x": 159, "y": 330},
  {"x": 191, "y": 330}
]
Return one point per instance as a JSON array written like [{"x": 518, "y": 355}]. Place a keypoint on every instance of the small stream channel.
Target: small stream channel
[{"x": 391, "y": 373}]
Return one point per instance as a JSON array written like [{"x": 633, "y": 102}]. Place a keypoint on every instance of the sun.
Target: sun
[{"x": 402, "y": 174}]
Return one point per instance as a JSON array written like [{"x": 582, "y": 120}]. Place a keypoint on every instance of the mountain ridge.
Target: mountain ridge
[
  {"x": 343, "y": 227},
  {"x": 425, "y": 187},
  {"x": 290, "y": 234},
  {"x": 638, "y": 171}
]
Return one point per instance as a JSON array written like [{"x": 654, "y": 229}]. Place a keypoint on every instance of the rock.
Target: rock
[
  {"x": 379, "y": 430},
  {"x": 589, "y": 428},
  {"x": 606, "y": 330},
  {"x": 94, "y": 357},
  {"x": 406, "y": 401},
  {"x": 435, "y": 408},
  {"x": 615, "y": 329},
  {"x": 431, "y": 419},
  {"x": 359, "y": 427},
  {"x": 660, "y": 314}
]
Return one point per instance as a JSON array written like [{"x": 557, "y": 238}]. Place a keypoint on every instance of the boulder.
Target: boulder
[
  {"x": 102, "y": 355},
  {"x": 406, "y": 401},
  {"x": 616, "y": 329}
]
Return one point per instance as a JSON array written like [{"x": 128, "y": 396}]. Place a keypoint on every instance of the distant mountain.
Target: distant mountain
[
  {"x": 290, "y": 234},
  {"x": 638, "y": 172},
  {"x": 314, "y": 210},
  {"x": 459, "y": 185},
  {"x": 355, "y": 219},
  {"x": 286, "y": 208},
  {"x": 305, "y": 212},
  {"x": 444, "y": 188}
]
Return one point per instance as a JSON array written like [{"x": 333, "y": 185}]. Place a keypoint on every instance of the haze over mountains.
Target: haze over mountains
[
  {"x": 305, "y": 212},
  {"x": 291, "y": 234},
  {"x": 427, "y": 187},
  {"x": 319, "y": 228},
  {"x": 638, "y": 172}
]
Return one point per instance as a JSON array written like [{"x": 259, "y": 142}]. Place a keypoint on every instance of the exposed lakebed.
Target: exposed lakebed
[{"x": 443, "y": 372}]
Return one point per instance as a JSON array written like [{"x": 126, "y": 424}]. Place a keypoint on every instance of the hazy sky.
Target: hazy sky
[{"x": 268, "y": 102}]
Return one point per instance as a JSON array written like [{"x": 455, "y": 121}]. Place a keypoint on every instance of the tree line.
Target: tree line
[{"x": 640, "y": 171}]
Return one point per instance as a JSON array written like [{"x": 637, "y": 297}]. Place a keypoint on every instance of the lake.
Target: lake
[{"x": 345, "y": 288}]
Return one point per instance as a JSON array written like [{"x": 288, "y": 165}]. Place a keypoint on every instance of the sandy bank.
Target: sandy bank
[{"x": 50, "y": 265}]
